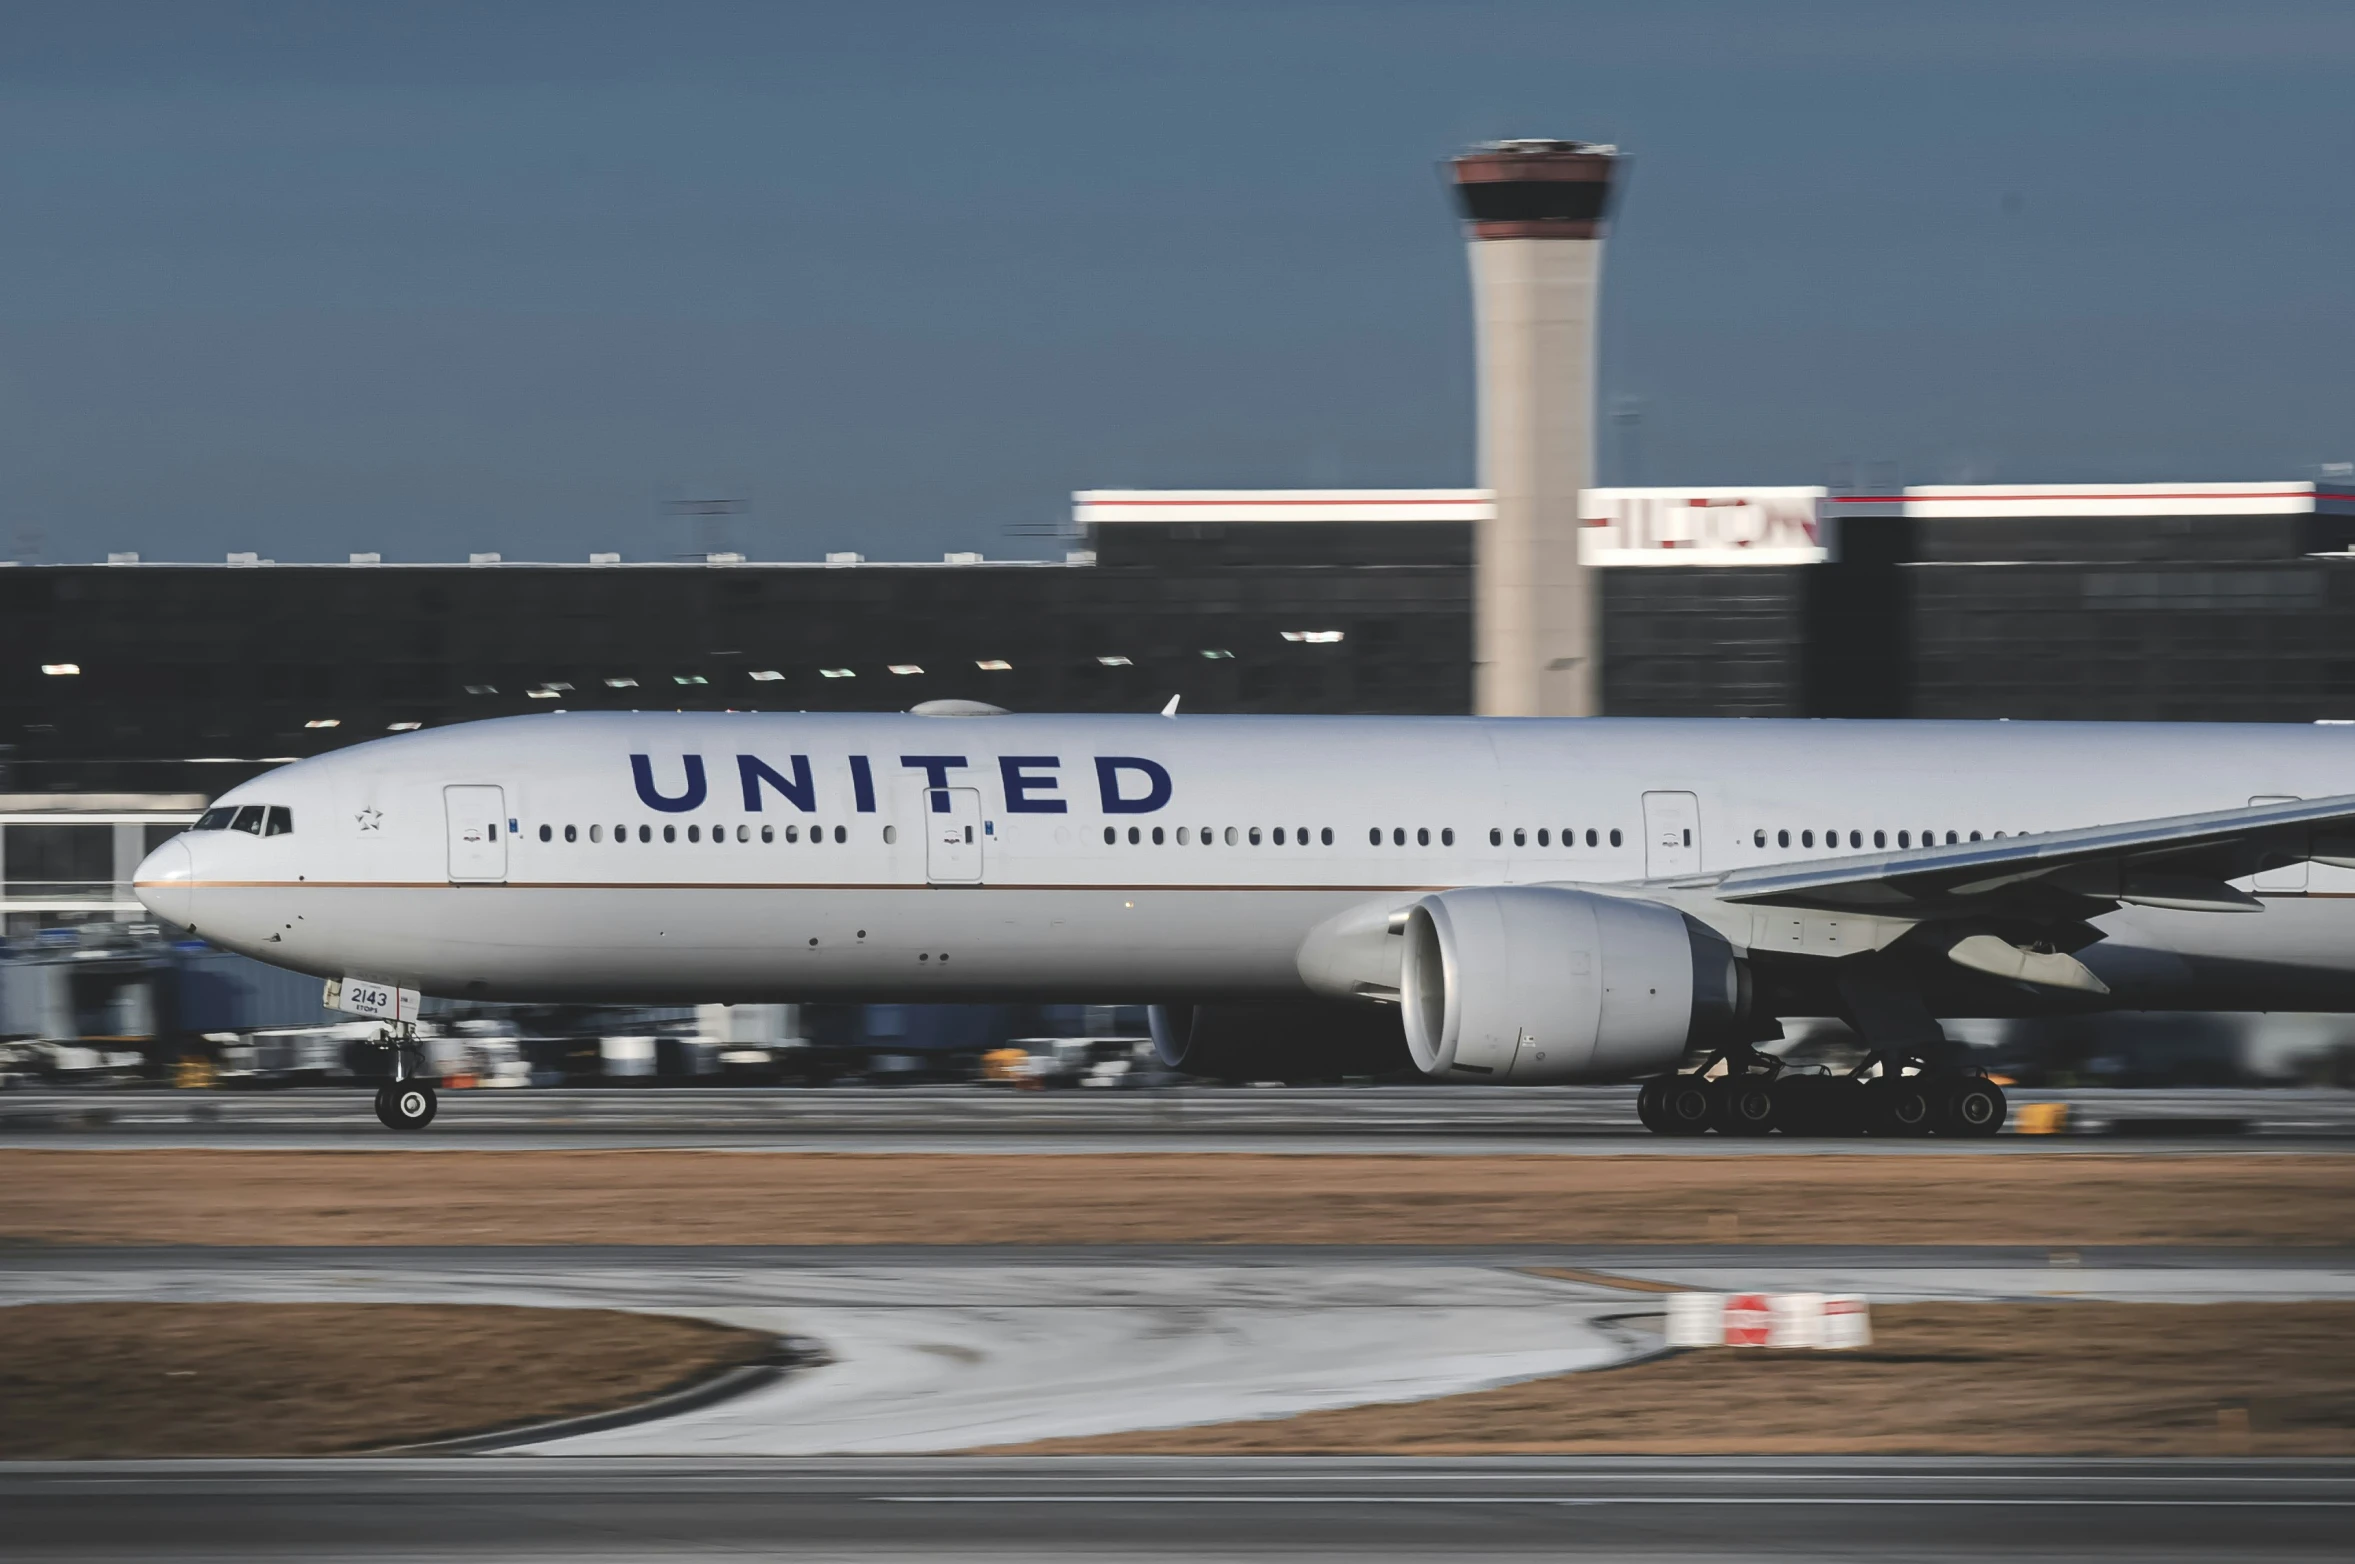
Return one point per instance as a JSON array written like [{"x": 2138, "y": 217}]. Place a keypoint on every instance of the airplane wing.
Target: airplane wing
[{"x": 2181, "y": 862}]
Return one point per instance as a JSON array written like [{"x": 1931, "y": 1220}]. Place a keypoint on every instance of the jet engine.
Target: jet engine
[
  {"x": 1279, "y": 1042},
  {"x": 1538, "y": 984}
]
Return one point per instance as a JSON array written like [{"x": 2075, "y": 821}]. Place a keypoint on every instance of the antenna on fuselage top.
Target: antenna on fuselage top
[{"x": 1170, "y": 710}]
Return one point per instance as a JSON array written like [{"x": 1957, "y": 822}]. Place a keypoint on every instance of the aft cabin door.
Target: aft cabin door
[
  {"x": 478, "y": 834},
  {"x": 1672, "y": 835},
  {"x": 952, "y": 835}
]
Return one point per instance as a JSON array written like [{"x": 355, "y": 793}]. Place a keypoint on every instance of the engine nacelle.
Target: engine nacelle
[
  {"x": 1279, "y": 1042},
  {"x": 1533, "y": 983}
]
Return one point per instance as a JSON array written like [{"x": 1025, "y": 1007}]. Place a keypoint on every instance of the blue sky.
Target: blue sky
[{"x": 428, "y": 279}]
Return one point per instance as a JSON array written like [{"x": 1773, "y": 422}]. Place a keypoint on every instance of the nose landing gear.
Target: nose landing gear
[{"x": 407, "y": 1101}]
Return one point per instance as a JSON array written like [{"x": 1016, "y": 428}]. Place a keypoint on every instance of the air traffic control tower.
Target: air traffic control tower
[{"x": 1534, "y": 212}]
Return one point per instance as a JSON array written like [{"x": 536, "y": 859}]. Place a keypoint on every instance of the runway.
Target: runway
[
  {"x": 1419, "y": 1120},
  {"x": 942, "y": 1349},
  {"x": 1140, "y": 1510}
]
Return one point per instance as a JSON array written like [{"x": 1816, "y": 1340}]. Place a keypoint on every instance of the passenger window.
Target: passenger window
[
  {"x": 646, "y": 833},
  {"x": 1300, "y": 835},
  {"x": 1422, "y": 836},
  {"x": 1279, "y": 836},
  {"x": 1209, "y": 835},
  {"x": 1520, "y": 837},
  {"x": 1326, "y": 836},
  {"x": 1183, "y": 839},
  {"x": 1880, "y": 838},
  {"x": 1614, "y": 836},
  {"x": 1157, "y": 836},
  {"x": 670, "y": 833},
  {"x": 1374, "y": 836},
  {"x": 1782, "y": 838},
  {"x": 1544, "y": 840},
  {"x": 1496, "y": 838},
  {"x": 694, "y": 833},
  {"x": 890, "y": 834},
  {"x": 793, "y": 833},
  {"x": 1134, "y": 836},
  {"x": 1255, "y": 836},
  {"x": 1758, "y": 839},
  {"x": 596, "y": 833},
  {"x": 248, "y": 819},
  {"x": 1590, "y": 836},
  {"x": 547, "y": 833},
  {"x": 842, "y": 834},
  {"x": 744, "y": 833},
  {"x": 1111, "y": 836},
  {"x": 1974, "y": 836},
  {"x": 1230, "y": 836},
  {"x": 1807, "y": 839},
  {"x": 1950, "y": 838},
  {"x": 281, "y": 821},
  {"x": 1447, "y": 836},
  {"x": 1905, "y": 839},
  {"x": 214, "y": 820}
]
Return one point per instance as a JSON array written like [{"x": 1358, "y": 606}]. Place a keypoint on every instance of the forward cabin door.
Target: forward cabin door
[
  {"x": 952, "y": 835},
  {"x": 2281, "y": 874},
  {"x": 478, "y": 834},
  {"x": 1672, "y": 835}
]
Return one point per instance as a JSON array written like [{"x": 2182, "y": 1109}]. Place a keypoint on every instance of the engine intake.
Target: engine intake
[{"x": 1538, "y": 984}]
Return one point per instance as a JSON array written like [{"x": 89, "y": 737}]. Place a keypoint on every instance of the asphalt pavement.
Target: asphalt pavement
[
  {"x": 1140, "y": 1509},
  {"x": 1186, "y": 1119}
]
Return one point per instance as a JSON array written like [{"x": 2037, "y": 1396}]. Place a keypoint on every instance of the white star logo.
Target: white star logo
[{"x": 370, "y": 819}]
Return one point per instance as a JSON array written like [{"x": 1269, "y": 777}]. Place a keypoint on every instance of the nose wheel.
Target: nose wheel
[{"x": 405, "y": 1105}]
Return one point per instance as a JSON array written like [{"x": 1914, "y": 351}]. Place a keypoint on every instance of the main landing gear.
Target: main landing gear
[
  {"x": 407, "y": 1101},
  {"x": 1883, "y": 1096}
]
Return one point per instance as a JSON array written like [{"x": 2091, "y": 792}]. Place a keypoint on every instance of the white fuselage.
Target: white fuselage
[{"x": 1149, "y": 858}]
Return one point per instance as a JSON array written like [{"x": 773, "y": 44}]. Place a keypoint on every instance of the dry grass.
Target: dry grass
[
  {"x": 702, "y": 1197},
  {"x": 2010, "y": 1379},
  {"x": 94, "y": 1380}
]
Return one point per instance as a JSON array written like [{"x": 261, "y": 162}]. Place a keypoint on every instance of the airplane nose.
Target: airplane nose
[{"x": 164, "y": 882}]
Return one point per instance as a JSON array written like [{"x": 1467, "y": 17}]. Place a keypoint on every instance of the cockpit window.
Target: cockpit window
[
  {"x": 213, "y": 820},
  {"x": 249, "y": 818},
  {"x": 281, "y": 822}
]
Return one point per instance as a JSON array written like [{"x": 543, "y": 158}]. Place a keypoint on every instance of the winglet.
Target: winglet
[{"x": 1170, "y": 710}]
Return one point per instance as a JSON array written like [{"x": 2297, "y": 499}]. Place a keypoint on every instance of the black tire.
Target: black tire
[
  {"x": 1745, "y": 1105},
  {"x": 409, "y": 1105},
  {"x": 384, "y": 1107},
  {"x": 1974, "y": 1108},
  {"x": 1686, "y": 1106},
  {"x": 1647, "y": 1104},
  {"x": 1905, "y": 1105}
]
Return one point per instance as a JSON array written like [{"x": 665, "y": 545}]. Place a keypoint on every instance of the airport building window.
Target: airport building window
[{"x": 281, "y": 822}]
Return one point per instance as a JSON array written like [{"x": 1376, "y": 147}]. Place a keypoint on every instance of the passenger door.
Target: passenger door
[
  {"x": 2279, "y": 876},
  {"x": 952, "y": 835},
  {"x": 478, "y": 834},
  {"x": 1672, "y": 835}
]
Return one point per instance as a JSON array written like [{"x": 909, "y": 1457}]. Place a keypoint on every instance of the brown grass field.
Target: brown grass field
[
  {"x": 91, "y": 1380},
  {"x": 1962, "y": 1379},
  {"x": 416, "y": 1196}
]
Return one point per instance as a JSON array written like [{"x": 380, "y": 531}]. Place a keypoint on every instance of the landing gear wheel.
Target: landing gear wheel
[
  {"x": 1745, "y": 1106},
  {"x": 1908, "y": 1106},
  {"x": 384, "y": 1108},
  {"x": 407, "y": 1105},
  {"x": 1974, "y": 1108},
  {"x": 1647, "y": 1104},
  {"x": 1685, "y": 1103}
]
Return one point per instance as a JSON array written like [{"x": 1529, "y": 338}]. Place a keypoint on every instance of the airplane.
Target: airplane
[{"x": 1500, "y": 901}]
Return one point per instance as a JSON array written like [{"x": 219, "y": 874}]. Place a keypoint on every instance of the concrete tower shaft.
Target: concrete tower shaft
[{"x": 1535, "y": 213}]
